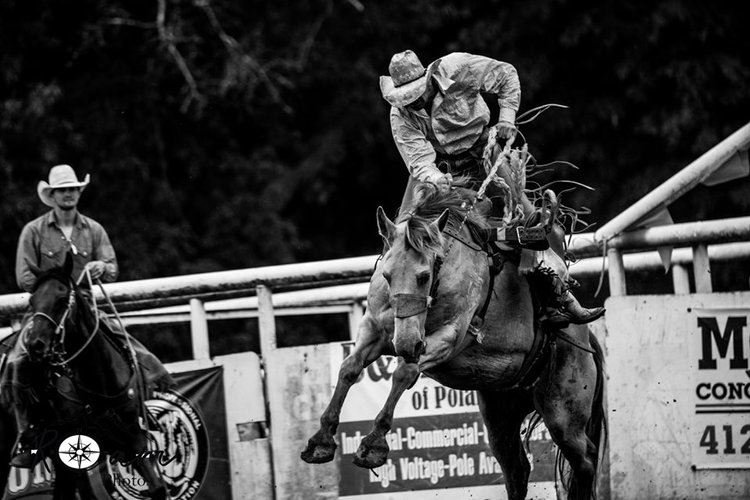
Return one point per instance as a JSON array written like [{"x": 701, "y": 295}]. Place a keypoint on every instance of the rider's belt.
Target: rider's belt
[
  {"x": 534, "y": 238},
  {"x": 469, "y": 159}
]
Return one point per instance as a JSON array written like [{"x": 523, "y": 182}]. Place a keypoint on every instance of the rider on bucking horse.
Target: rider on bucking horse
[{"x": 440, "y": 123}]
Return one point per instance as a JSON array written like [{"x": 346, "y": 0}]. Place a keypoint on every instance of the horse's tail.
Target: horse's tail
[
  {"x": 596, "y": 432},
  {"x": 596, "y": 428}
]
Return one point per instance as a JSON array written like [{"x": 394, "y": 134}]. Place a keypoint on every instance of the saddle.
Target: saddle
[
  {"x": 531, "y": 233},
  {"x": 512, "y": 242}
]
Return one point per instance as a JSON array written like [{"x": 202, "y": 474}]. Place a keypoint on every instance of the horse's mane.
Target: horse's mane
[{"x": 429, "y": 204}]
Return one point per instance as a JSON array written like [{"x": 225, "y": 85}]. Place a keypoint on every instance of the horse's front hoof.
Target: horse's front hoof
[
  {"x": 320, "y": 449},
  {"x": 372, "y": 452}
]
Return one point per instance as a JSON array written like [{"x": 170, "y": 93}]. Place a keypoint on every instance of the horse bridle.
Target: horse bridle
[
  {"x": 58, "y": 337},
  {"x": 59, "y": 326},
  {"x": 411, "y": 304}
]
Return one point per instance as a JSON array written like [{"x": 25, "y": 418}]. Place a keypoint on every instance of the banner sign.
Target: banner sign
[
  {"x": 719, "y": 352},
  {"x": 190, "y": 449},
  {"x": 437, "y": 441}
]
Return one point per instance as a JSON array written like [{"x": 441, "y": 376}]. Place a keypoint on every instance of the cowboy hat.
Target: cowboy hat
[
  {"x": 60, "y": 176},
  {"x": 407, "y": 80}
]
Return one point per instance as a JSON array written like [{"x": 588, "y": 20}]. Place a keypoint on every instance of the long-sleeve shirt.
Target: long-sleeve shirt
[
  {"x": 43, "y": 246},
  {"x": 458, "y": 115}
]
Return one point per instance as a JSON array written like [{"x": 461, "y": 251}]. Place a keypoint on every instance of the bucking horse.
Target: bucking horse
[{"x": 431, "y": 284}]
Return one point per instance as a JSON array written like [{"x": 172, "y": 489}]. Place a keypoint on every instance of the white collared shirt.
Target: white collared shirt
[{"x": 458, "y": 114}]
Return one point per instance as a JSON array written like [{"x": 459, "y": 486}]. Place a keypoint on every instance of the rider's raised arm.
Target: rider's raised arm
[
  {"x": 498, "y": 78},
  {"x": 416, "y": 151}
]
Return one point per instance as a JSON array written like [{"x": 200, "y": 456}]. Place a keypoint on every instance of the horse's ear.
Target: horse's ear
[
  {"x": 386, "y": 228},
  {"x": 441, "y": 221},
  {"x": 68, "y": 265}
]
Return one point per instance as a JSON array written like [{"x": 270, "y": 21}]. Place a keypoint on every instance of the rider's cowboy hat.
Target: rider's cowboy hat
[
  {"x": 407, "y": 80},
  {"x": 60, "y": 176}
]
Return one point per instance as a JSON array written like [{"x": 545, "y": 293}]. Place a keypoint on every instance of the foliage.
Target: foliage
[{"x": 224, "y": 134}]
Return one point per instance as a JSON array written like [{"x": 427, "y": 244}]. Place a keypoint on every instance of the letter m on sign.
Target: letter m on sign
[{"x": 711, "y": 334}]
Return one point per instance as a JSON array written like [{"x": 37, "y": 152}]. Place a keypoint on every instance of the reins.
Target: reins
[
  {"x": 87, "y": 273},
  {"x": 407, "y": 305}
]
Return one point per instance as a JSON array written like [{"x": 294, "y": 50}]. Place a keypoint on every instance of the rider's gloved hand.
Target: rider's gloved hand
[
  {"x": 444, "y": 182},
  {"x": 506, "y": 131},
  {"x": 96, "y": 268}
]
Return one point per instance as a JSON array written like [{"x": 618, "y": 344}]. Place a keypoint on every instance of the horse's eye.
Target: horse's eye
[
  {"x": 423, "y": 278},
  {"x": 387, "y": 277}
]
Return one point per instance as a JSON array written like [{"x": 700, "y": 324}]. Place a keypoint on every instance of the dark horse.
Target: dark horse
[
  {"x": 85, "y": 380},
  {"x": 423, "y": 295}
]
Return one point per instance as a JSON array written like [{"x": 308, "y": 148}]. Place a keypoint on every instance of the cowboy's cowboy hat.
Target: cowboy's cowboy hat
[
  {"x": 407, "y": 80},
  {"x": 60, "y": 176}
]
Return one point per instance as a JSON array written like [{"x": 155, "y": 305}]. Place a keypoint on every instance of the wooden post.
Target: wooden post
[
  {"x": 616, "y": 273},
  {"x": 199, "y": 330},
  {"x": 680, "y": 280},
  {"x": 702, "y": 269}
]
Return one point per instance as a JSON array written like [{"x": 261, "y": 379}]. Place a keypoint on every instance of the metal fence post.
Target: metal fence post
[
  {"x": 680, "y": 280},
  {"x": 616, "y": 273},
  {"x": 267, "y": 331},
  {"x": 702, "y": 269},
  {"x": 199, "y": 330},
  {"x": 355, "y": 317}
]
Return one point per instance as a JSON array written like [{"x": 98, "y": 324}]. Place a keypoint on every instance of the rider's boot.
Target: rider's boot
[
  {"x": 25, "y": 456},
  {"x": 568, "y": 309}
]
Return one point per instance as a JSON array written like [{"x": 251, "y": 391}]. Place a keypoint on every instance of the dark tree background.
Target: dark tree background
[{"x": 225, "y": 134}]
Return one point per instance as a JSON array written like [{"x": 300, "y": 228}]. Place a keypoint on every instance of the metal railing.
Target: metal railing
[{"x": 316, "y": 286}]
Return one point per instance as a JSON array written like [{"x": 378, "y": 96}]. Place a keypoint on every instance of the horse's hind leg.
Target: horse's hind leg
[
  {"x": 568, "y": 396},
  {"x": 373, "y": 449},
  {"x": 369, "y": 346},
  {"x": 503, "y": 414}
]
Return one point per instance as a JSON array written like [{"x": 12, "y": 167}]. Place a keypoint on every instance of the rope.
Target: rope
[
  {"x": 86, "y": 272},
  {"x": 131, "y": 349}
]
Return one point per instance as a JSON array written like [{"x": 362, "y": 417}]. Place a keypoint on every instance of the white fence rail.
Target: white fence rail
[{"x": 680, "y": 183}]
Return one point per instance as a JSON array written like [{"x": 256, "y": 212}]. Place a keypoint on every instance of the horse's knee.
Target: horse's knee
[
  {"x": 351, "y": 368},
  {"x": 406, "y": 374}
]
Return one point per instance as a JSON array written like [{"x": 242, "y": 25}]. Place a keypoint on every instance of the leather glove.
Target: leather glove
[{"x": 506, "y": 132}]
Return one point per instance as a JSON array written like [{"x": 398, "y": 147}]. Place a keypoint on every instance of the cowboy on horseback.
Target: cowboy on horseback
[
  {"x": 44, "y": 245},
  {"x": 440, "y": 124}
]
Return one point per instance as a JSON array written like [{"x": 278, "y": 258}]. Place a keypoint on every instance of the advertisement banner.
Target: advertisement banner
[
  {"x": 721, "y": 381},
  {"x": 439, "y": 444},
  {"x": 190, "y": 447}
]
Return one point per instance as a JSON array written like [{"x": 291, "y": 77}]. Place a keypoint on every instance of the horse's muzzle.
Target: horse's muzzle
[
  {"x": 37, "y": 349},
  {"x": 410, "y": 352}
]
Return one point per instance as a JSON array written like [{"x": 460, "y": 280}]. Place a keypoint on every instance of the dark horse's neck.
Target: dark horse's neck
[{"x": 100, "y": 368}]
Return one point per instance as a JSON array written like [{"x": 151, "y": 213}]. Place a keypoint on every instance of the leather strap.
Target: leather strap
[
  {"x": 408, "y": 304},
  {"x": 534, "y": 238}
]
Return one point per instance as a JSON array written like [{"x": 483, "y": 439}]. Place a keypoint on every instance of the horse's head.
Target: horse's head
[
  {"x": 411, "y": 264},
  {"x": 52, "y": 302}
]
